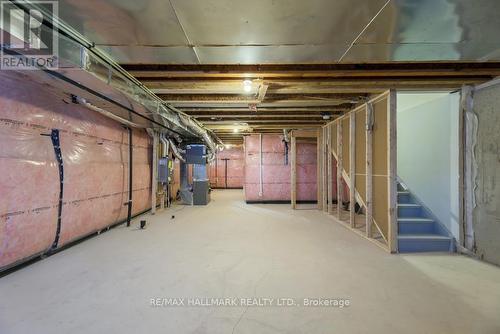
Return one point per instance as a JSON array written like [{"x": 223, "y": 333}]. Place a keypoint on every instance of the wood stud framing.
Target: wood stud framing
[
  {"x": 340, "y": 168},
  {"x": 392, "y": 165},
  {"x": 348, "y": 137},
  {"x": 293, "y": 166},
  {"x": 329, "y": 166},
  {"x": 352, "y": 169},
  {"x": 294, "y": 134},
  {"x": 154, "y": 180},
  {"x": 319, "y": 166},
  {"x": 369, "y": 169},
  {"x": 324, "y": 174}
]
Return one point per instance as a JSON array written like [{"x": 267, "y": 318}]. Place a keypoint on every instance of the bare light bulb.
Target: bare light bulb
[{"x": 247, "y": 86}]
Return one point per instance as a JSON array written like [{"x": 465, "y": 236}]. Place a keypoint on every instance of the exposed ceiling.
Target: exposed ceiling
[
  {"x": 288, "y": 31},
  {"x": 292, "y": 96},
  {"x": 195, "y": 54}
]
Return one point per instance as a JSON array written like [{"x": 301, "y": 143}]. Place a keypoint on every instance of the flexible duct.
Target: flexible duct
[
  {"x": 210, "y": 157},
  {"x": 285, "y": 136},
  {"x": 167, "y": 150},
  {"x": 176, "y": 151}
]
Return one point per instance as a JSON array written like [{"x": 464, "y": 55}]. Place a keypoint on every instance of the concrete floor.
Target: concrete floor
[{"x": 230, "y": 249}]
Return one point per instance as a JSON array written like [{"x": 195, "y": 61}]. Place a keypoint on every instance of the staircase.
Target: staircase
[{"x": 417, "y": 230}]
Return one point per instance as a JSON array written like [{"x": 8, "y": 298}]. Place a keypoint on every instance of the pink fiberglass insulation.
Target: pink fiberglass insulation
[
  {"x": 275, "y": 173},
  {"x": 235, "y": 169},
  {"x": 95, "y": 161}
]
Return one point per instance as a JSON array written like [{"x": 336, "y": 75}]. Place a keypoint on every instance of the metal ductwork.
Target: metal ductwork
[
  {"x": 104, "y": 86},
  {"x": 164, "y": 145}
]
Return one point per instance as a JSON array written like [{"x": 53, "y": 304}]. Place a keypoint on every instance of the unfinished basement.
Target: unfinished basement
[{"x": 229, "y": 166}]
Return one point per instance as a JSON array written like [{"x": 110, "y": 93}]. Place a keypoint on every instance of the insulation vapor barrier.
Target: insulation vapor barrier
[
  {"x": 58, "y": 157},
  {"x": 228, "y": 169},
  {"x": 276, "y": 178}
]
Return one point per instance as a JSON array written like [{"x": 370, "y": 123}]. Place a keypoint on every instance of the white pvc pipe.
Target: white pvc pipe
[{"x": 83, "y": 102}]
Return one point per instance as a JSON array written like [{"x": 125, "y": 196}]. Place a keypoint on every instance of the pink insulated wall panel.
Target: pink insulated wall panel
[
  {"x": 95, "y": 161},
  {"x": 275, "y": 173},
  {"x": 235, "y": 169}
]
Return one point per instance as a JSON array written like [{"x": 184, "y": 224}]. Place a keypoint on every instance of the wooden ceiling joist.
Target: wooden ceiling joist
[
  {"x": 277, "y": 110},
  {"x": 255, "y": 116},
  {"x": 312, "y": 86},
  {"x": 293, "y": 96},
  {"x": 411, "y": 69}
]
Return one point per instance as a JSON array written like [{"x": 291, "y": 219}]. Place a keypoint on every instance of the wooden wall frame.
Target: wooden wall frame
[
  {"x": 329, "y": 171},
  {"x": 340, "y": 168},
  {"x": 324, "y": 174},
  {"x": 294, "y": 135},
  {"x": 352, "y": 169},
  {"x": 319, "y": 180},
  {"x": 386, "y": 235},
  {"x": 154, "y": 176}
]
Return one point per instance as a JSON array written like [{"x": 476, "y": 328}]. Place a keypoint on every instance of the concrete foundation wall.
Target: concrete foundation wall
[
  {"x": 276, "y": 174},
  {"x": 95, "y": 161},
  {"x": 486, "y": 214}
]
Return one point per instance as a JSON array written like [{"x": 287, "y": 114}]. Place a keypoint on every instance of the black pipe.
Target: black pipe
[
  {"x": 130, "y": 179},
  {"x": 225, "y": 172},
  {"x": 57, "y": 150}
]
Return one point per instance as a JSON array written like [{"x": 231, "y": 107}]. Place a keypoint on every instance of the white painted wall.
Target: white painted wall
[{"x": 428, "y": 152}]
